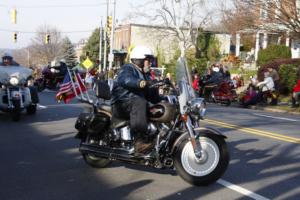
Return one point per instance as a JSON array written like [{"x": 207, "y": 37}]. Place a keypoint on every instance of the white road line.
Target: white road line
[
  {"x": 41, "y": 106},
  {"x": 241, "y": 190},
  {"x": 282, "y": 118}
]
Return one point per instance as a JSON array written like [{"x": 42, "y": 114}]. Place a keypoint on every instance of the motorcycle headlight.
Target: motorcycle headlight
[
  {"x": 198, "y": 107},
  {"x": 14, "y": 81}
]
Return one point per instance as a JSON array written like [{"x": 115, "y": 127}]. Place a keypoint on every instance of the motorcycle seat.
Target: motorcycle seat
[
  {"x": 105, "y": 107},
  {"x": 117, "y": 123}
]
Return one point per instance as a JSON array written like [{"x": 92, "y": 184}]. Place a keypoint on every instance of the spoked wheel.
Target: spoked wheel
[
  {"x": 209, "y": 168},
  {"x": 92, "y": 160}
]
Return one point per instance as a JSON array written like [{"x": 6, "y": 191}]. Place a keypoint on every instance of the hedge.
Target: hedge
[{"x": 273, "y": 52}]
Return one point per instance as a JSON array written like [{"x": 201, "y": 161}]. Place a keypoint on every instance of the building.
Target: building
[
  {"x": 159, "y": 39},
  {"x": 272, "y": 26},
  {"x": 79, "y": 48}
]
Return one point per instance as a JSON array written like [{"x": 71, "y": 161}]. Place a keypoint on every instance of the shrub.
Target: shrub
[
  {"x": 273, "y": 52},
  {"x": 275, "y": 65},
  {"x": 288, "y": 76},
  {"x": 283, "y": 87}
]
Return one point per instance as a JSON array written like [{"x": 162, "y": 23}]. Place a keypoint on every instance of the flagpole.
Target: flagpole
[
  {"x": 73, "y": 85},
  {"x": 82, "y": 97},
  {"x": 87, "y": 94}
]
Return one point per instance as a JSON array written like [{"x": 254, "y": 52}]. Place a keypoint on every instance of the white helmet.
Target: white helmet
[
  {"x": 216, "y": 69},
  {"x": 63, "y": 60},
  {"x": 55, "y": 63},
  {"x": 140, "y": 52}
]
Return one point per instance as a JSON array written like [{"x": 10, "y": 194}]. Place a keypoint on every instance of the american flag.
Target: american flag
[{"x": 66, "y": 89}]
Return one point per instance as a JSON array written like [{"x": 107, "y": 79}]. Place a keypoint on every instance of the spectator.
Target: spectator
[
  {"x": 250, "y": 97},
  {"x": 296, "y": 95},
  {"x": 196, "y": 82},
  {"x": 275, "y": 76},
  {"x": 267, "y": 86}
]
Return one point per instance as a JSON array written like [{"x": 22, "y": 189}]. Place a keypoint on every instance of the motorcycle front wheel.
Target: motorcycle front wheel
[
  {"x": 16, "y": 111},
  {"x": 94, "y": 161},
  {"x": 209, "y": 168}
]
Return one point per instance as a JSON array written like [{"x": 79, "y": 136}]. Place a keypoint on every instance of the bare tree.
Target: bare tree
[
  {"x": 180, "y": 18},
  {"x": 238, "y": 17},
  {"x": 42, "y": 53},
  {"x": 284, "y": 14},
  {"x": 21, "y": 56}
]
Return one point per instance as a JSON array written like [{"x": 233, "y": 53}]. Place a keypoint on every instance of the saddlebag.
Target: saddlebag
[
  {"x": 102, "y": 90},
  {"x": 92, "y": 122}
]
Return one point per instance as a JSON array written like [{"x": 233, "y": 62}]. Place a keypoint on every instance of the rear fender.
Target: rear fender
[{"x": 202, "y": 131}]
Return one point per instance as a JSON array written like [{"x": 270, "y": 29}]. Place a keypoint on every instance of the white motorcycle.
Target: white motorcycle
[{"x": 16, "y": 91}]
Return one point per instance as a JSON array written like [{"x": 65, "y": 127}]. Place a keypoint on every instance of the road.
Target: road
[{"x": 40, "y": 160}]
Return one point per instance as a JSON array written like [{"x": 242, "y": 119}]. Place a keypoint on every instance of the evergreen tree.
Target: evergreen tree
[
  {"x": 92, "y": 47},
  {"x": 68, "y": 52}
]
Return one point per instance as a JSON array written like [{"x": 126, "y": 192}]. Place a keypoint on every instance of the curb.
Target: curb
[{"x": 274, "y": 110}]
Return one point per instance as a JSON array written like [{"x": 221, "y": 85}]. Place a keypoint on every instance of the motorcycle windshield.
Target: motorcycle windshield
[
  {"x": 184, "y": 83},
  {"x": 20, "y": 72}
]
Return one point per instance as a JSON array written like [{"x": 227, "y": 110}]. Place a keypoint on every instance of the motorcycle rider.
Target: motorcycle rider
[
  {"x": 59, "y": 65},
  {"x": 213, "y": 79},
  {"x": 7, "y": 60},
  {"x": 131, "y": 93}
]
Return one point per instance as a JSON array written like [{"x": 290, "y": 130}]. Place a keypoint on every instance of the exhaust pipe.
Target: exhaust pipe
[{"x": 109, "y": 153}]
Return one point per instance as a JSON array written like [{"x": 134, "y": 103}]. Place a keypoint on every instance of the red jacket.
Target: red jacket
[
  {"x": 297, "y": 87},
  {"x": 195, "y": 84}
]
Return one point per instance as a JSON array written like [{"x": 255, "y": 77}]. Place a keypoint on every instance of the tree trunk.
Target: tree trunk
[{"x": 182, "y": 49}]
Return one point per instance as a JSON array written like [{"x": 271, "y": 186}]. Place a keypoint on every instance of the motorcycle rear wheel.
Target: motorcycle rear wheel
[
  {"x": 206, "y": 171},
  {"x": 94, "y": 161}
]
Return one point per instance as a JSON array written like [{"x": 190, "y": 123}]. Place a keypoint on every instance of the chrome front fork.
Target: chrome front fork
[
  {"x": 10, "y": 96},
  {"x": 194, "y": 137}
]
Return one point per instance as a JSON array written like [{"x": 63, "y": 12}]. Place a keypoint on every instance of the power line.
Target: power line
[
  {"x": 53, "y": 6},
  {"x": 33, "y": 32}
]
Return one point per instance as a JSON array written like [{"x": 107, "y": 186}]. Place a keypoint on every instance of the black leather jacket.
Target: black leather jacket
[{"x": 127, "y": 85}]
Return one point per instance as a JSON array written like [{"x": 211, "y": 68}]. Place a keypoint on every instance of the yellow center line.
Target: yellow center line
[{"x": 276, "y": 136}]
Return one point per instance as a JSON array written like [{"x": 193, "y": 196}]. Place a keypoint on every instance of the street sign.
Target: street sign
[{"x": 87, "y": 63}]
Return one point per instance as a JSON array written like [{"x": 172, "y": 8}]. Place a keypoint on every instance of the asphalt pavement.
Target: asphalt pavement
[{"x": 40, "y": 159}]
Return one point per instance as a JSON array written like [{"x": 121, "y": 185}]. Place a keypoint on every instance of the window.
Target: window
[
  {"x": 277, "y": 8},
  {"x": 264, "y": 9}
]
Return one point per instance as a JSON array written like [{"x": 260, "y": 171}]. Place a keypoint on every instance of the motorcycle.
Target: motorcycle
[
  {"x": 51, "y": 78},
  {"x": 223, "y": 93},
  {"x": 199, "y": 155},
  {"x": 17, "y": 92}
]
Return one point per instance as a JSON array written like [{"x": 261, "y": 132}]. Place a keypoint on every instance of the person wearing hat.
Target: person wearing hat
[{"x": 131, "y": 93}]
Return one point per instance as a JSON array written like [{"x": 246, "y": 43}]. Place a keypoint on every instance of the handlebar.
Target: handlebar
[{"x": 161, "y": 83}]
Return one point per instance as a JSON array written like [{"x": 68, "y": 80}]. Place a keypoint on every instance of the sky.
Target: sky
[
  {"x": 68, "y": 16},
  {"x": 74, "y": 18}
]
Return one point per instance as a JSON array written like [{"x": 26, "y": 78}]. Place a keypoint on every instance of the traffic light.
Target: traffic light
[
  {"x": 109, "y": 24},
  {"x": 15, "y": 37},
  {"x": 13, "y": 16},
  {"x": 47, "y": 39}
]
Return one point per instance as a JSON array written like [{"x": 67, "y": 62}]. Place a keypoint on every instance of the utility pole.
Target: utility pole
[
  {"x": 28, "y": 56},
  {"x": 111, "y": 55},
  {"x": 100, "y": 47},
  {"x": 105, "y": 38}
]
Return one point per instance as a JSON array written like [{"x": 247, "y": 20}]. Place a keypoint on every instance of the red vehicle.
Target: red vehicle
[
  {"x": 51, "y": 77},
  {"x": 223, "y": 92}
]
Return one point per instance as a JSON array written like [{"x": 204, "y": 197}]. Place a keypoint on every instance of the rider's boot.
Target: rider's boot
[{"x": 142, "y": 146}]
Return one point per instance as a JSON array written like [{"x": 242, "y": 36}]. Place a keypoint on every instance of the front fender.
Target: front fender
[{"x": 202, "y": 130}]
